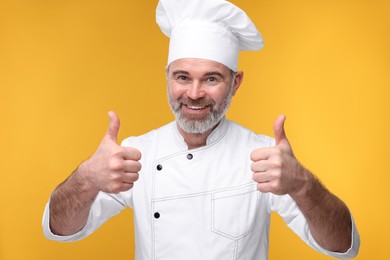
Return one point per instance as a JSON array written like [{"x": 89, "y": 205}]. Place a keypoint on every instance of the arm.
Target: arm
[
  {"x": 111, "y": 169},
  {"x": 70, "y": 204},
  {"x": 328, "y": 217},
  {"x": 276, "y": 170}
]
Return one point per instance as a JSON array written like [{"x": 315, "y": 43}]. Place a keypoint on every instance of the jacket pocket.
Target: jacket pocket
[{"x": 234, "y": 211}]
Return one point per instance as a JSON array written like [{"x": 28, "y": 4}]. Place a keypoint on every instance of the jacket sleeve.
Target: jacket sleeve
[
  {"x": 104, "y": 207},
  {"x": 286, "y": 207}
]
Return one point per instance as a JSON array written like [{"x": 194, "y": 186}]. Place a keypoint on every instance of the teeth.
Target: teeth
[{"x": 195, "y": 108}]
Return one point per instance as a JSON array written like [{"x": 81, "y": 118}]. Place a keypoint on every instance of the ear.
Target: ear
[
  {"x": 166, "y": 70},
  {"x": 237, "y": 81}
]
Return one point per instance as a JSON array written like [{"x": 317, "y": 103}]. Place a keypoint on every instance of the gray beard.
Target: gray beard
[{"x": 198, "y": 125}]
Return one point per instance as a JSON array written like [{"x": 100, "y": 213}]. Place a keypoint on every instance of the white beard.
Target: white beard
[{"x": 197, "y": 125}]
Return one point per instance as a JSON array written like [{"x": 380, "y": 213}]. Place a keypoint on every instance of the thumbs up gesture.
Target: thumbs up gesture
[
  {"x": 275, "y": 169},
  {"x": 112, "y": 168}
]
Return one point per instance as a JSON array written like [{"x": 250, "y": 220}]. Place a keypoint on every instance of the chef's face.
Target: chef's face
[{"x": 199, "y": 92}]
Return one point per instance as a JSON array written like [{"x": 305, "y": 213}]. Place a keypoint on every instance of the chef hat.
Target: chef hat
[{"x": 209, "y": 29}]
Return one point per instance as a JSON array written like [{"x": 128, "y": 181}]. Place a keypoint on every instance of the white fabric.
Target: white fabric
[
  {"x": 209, "y": 29},
  {"x": 209, "y": 206}
]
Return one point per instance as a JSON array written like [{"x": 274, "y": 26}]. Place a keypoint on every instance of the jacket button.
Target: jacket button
[
  {"x": 189, "y": 156},
  {"x": 156, "y": 215},
  {"x": 159, "y": 167}
]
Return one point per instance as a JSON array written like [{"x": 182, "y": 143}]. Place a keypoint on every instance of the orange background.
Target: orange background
[{"x": 64, "y": 64}]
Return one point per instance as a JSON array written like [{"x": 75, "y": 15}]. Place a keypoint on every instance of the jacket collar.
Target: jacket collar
[{"x": 214, "y": 136}]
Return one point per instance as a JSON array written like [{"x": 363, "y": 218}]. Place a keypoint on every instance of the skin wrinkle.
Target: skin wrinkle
[{"x": 194, "y": 125}]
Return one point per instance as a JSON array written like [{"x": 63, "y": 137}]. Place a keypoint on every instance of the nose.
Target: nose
[{"x": 196, "y": 90}]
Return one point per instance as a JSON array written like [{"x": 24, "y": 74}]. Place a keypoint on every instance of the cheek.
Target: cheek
[
  {"x": 174, "y": 92},
  {"x": 219, "y": 95}
]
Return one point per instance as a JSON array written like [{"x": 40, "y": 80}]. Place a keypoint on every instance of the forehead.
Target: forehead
[{"x": 195, "y": 65}]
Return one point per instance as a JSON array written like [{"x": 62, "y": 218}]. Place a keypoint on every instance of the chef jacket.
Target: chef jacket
[{"x": 200, "y": 203}]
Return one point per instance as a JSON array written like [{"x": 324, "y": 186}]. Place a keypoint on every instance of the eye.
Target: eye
[
  {"x": 212, "y": 80},
  {"x": 182, "y": 78}
]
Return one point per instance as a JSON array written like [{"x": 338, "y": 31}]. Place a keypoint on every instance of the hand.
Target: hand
[
  {"x": 275, "y": 169},
  {"x": 112, "y": 168}
]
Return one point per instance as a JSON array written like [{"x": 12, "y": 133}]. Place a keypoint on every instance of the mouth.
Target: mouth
[{"x": 195, "y": 109}]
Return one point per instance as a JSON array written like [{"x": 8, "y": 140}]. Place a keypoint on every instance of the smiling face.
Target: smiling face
[{"x": 199, "y": 92}]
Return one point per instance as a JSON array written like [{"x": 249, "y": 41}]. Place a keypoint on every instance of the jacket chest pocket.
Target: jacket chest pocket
[{"x": 234, "y": 211}]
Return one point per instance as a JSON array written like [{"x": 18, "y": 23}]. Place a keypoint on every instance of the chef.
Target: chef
[{"x": 201, "y": 187}]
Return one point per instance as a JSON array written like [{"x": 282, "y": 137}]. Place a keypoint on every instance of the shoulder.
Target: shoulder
[
  {"x": 145, "y": 140},
  {"x": 242, "y": 133}
]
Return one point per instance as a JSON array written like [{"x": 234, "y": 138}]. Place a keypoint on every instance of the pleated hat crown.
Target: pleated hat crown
[{"x": 208, "y": 29}]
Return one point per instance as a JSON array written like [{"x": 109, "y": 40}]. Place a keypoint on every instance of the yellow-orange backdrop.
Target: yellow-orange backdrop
[{"x": 64, "y": 64}]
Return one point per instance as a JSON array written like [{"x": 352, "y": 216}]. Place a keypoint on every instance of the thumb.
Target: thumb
[
  {"x": 113, "y": 129},
  {"x": 279, "y": 133}
]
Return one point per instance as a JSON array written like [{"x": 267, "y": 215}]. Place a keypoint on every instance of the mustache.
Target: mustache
[{"x": 202, "y": 102}]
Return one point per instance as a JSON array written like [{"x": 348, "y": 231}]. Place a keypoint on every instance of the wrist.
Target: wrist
[
  {"x": 305, "y": 184},
  {"x": 310, "y": 193},
  {"x": 82, "y": 179}
]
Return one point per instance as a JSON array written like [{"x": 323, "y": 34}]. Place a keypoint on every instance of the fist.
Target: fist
[
  {"x": 112, "y": 168},
  {"x": 275, "y": 169}
]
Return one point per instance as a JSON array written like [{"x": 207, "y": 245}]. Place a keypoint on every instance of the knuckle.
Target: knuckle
[
  {"x": 115, "y": 164},
  {"x": 135, "y": 154},
  {"x": 277, "y": 188},
  {"x": 253, "y": 155},
  {"x": 117, "y": 151},
  {"x": 133, "y": 166},
  {"x": 135, "y": 177},
  {"x": 277, "y": 163},
  {"x": 129, "y": 186},
  {"x": 117, "y": 188},
  {"x": 253, "y": 167},
  {"x": 274, "y": 186},
  {"x": 131, "y": 177},
  {"x": 112, "y": 188},
  {"x": 276, "y": 174},
  {"x": 112, "y": 180},
  {"x": 254, "y": 177},
  {"x": 277, "y": 152},
  {"x": 262, "y": 187},
  {"x": 137, "y": 166}
]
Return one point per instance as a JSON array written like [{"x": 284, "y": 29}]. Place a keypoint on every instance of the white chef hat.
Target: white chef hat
[{"x": 209, "y": 29}]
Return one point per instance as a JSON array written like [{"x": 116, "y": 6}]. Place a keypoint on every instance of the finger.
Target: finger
[
  {"x": 266, "y": 176},
  {"x": 265, "y": 187},
  {"x": 132, "y": 166},
  {"x": 120, "y": 187},
  {"x": 261, "y": 154},
  {"x": 279, "y": 133},
  {"x": 113, "y": 128},
  {"x": 261, "y": 177},
  {"x": 130, "y": 153},
  {"x": 260, "y": 166},
  {"x": 130, "y": 177}
]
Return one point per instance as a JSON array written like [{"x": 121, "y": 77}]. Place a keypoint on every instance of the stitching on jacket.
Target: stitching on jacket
[
  {"x": 225, "y": 131},
  {"x": 153, "y": 231},
  {"x": 236, "y": 238},
  {"x": 205, "y": 193}
]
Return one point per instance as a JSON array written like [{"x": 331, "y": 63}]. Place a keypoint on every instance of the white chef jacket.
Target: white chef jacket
[{"x": 200, "y": 203}]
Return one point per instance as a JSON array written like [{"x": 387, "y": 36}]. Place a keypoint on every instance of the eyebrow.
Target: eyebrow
[
  {"x": 176, "y": 72},
  {"x": 211, "y": 73},
  {"x": 215, "y": 73}
]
